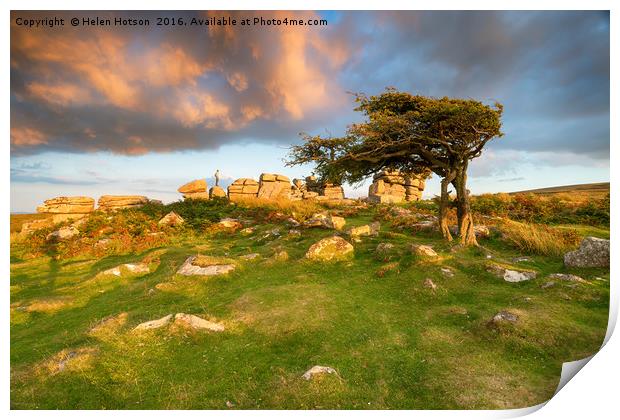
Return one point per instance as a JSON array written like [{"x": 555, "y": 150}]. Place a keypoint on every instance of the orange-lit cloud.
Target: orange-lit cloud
[{"x": 24, "y": 136}]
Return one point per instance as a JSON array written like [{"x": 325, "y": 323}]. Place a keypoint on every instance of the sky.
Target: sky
[{"x": 142, "y": 110}]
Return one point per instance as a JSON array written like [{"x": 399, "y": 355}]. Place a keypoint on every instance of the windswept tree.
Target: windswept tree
[{"x": 410, "y": 133}]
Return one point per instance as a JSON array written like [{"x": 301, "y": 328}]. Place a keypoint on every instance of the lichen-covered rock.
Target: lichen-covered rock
[
  {"x": 592, "y": 252},
  {"x": 171, "y": 219},
  {"x": 333, "y": 248},
  {"x": 118, "y": 202}
]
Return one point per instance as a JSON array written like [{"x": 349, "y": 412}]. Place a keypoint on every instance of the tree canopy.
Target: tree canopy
[{"x": 410, "y": 133}]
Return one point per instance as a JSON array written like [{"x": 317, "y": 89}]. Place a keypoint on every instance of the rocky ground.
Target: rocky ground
[{"x": 339, "y": 307}]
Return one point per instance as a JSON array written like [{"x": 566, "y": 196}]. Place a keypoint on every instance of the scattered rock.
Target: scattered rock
[
  {"x": 330, "y": 249},
  {"x": 504, "y": 316},
  {"x": 548, "y": 285},
  {"x": 566, "y": 277},
  {"x": 592, "y": 252},
  {"x": 250, "y": 257},
  {"x": 192, "y": 321},
  {"x": 447, "y": 272},
  {"x": 157, "y": 323},
  {"x": 279, "y": 256},
  {"x": 325, "y": 220},
  {"x": 294, "y": 233},
  {"x": 424, "y": 251},
  {"x": 171, "y": 219},
  {"x": 429, "y": 284},
  {"x": 118, "y": 202},
  {"x": 358, "y": 231},
  {"x": 248, "y": 231},
  {"x": 512, "y": 276},
  {"x": 384, "y": 247},
  {"x": 293, "y": 222},
  {"x": 189, "y": 269},
  {"x": 137, "y": 268},
  {"x": 318, "y": 370},
  {"x": 103, "y": 243},
  {"x": 65, "y": 232},
  {"x": 521, "y": 259},
  {"x": 228, "y": 223}
]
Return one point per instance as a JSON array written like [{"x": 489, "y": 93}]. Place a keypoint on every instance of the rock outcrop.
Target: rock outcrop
[
  {"x": 118, "y": 202},
  {"x": 592, "y": 252},
  {"x": 65, "y": 208},
  {"x": 319, "y": 191},
  {"x": 274, "y": 186},
  {"x": 195, "y": 190},
  {"x": 395, "y": 187},
  {"x": 243, "y": 189}
]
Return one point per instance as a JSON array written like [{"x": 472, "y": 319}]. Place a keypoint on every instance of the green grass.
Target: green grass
[{"x": 395, "y": 343}]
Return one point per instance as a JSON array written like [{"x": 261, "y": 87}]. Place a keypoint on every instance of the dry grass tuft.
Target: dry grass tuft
[{"x": 539, "y": 239}]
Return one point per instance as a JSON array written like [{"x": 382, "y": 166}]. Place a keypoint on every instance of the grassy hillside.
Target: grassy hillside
[
  {"x": 394, "y": 342},
  {"x": 594, "y": 190}
]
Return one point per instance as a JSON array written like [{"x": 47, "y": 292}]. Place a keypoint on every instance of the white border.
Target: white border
[{"x": 592, "y": 393}]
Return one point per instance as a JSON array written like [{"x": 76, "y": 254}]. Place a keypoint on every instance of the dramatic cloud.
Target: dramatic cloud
[{"x": 137, "y": 90}]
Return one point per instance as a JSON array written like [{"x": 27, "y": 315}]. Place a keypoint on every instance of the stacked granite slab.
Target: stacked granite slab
[
  {"x": 118, "y": 202},
  {"x": 243, "y": 188},
  {"x": 395, "y": 187},
  {"x": 195, "y": 190},
  {"x": 66, "y": 208},
  {"x": 274, "y": 186}
]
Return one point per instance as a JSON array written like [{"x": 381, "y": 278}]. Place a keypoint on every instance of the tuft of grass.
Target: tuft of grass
[{"x": 539, "y": 239}]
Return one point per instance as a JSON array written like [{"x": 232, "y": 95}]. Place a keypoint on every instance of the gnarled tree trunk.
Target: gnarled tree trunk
[
  {"x": 467, "y": 235},
  {"x": 444, "y": 206}
]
